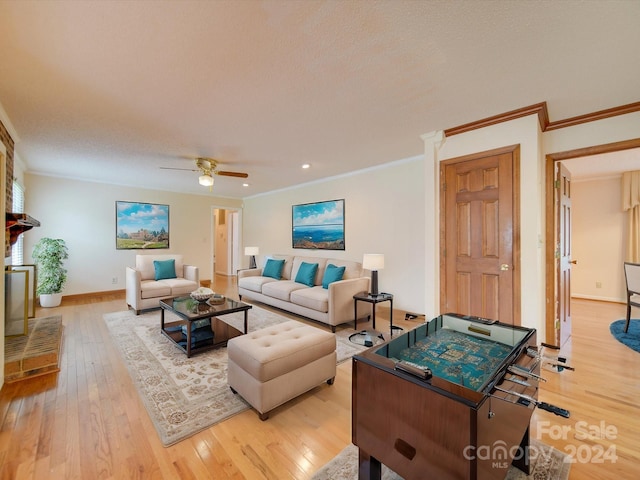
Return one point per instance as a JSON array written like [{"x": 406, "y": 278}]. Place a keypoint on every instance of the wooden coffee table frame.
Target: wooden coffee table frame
[{"x": 221, "y": 329}]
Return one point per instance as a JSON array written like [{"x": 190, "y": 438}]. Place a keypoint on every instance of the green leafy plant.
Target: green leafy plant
[{"x": 48, "y": 255}]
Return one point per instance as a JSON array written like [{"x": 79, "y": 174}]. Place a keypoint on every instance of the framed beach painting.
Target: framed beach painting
[
  {"x": 141, "y": 226},
  {"x": 318, "y": 225}
]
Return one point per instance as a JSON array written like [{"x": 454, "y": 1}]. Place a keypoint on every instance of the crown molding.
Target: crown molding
[
  {"x": 540, "y": 109},
  {"x": 592, "y": 117}
]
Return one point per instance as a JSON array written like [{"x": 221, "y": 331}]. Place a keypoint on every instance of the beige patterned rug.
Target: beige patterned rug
[
  {"x": 184, "y": 396},
  {"x": 547, "y": 464}
]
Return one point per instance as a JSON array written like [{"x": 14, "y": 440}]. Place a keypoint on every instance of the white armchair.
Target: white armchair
[{"x": 149, "y": 282}]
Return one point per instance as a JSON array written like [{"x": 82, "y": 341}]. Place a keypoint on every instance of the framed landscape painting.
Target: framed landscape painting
[
  {"x": 318, "y": 225},
  {"x": 141, "y": 226}
]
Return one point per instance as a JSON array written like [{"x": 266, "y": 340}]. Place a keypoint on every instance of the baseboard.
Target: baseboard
[
  {"x": 94, "y": 295},
  {"x": 600, "y": 299}
]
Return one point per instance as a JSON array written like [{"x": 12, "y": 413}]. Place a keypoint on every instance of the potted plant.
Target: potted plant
[{"x": 48, "y": 255}]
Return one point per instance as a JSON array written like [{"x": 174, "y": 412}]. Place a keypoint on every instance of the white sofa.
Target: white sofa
[
  {"x": 332, "y": 305},
  {"x": 144, "y": 291}
]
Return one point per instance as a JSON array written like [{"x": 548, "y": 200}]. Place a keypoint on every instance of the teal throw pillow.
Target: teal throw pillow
[
  {"x": 164, "y": 269},
  {"x": 273, "y": 269},
  {"x": 332, "y": 274},
  {"x": 307, "y": 273}
]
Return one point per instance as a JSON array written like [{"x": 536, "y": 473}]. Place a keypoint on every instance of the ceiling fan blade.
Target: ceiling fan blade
[
  {"x": 232, "y": 174},
  {"x": 184, "y": 169}
]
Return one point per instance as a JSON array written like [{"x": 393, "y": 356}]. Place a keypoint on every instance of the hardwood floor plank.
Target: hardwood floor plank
[
  {"x": 47, "y": 422},
  {"x": 598, "y": 393},
  {"x": 88, "y": 421}
]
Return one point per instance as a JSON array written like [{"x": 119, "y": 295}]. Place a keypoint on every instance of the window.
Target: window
[{"x": 17, "y": 257}]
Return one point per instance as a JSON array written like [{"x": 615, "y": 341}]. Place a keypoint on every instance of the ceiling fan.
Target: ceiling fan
[{"x": 208, "y": 167}]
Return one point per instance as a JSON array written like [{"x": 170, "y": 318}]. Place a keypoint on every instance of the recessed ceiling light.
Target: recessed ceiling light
[
  {"x": 245, "y": 184},
  {"x": 306, "y": 165}
]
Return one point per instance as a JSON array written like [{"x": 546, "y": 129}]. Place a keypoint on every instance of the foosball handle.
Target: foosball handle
[{"x": 553, "y": 409}]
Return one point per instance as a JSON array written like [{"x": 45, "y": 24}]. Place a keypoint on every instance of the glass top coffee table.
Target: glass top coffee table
[{"x": 190, "y": 332}]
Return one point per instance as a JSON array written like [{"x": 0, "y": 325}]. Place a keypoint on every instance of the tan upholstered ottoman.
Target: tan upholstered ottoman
[{"x": 271, "y": 366}]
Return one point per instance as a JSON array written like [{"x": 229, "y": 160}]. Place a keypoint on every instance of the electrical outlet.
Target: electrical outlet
[
  {"x": 598, "y": 284},
  {"x": 114, "y": 280}
]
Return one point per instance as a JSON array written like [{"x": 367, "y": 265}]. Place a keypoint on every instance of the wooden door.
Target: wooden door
[
  {"x": 563, "y": 254},
  {"x": 479, "y": 232}
]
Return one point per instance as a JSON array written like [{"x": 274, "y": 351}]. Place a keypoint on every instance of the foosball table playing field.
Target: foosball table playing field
[{"x": 428, "y": 401}]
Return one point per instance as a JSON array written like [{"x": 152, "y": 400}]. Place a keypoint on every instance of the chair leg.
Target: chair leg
[{"x": 626, "y": 327}]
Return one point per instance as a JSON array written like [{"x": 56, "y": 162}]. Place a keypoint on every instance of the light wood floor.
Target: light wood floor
[{"x": 87, "y": 421}]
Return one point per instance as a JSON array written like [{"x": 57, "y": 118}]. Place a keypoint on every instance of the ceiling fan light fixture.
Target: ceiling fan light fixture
[{"x": 205, "y": 180}]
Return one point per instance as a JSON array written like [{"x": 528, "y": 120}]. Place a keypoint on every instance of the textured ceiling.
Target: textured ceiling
[{"x": 112, "y": 91}]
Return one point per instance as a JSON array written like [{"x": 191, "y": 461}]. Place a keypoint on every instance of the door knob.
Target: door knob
[
  {"x": 574, "y": 261},
  {"x": 504, "y": 267}
]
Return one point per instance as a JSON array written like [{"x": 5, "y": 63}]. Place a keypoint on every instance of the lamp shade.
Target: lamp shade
[
  {"x": 373, "y": 261},
  {"x": 205, "y": 180},
  {"x": 251, "y": 250}
]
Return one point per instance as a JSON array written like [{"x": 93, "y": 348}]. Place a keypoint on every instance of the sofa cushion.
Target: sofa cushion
[
  {"x": 352, "y": 269},
  {"x": 315, "y": 298},
  {"x": 288, "y": 264},
  {"x": 255, "y": 283},
  {"x": 144, "y": 264},
  {"x": 153, "y": 289},
  {"x": 299, "y": 260},
  {"x": 307, "y": 273},
  {"x": 180, "y": 286},
  {"x": 281, "y": 289},
  {"x": 332, "y": 274},
  {"x": 164, "y": 269},
  {"x": 273, "y": 268}
]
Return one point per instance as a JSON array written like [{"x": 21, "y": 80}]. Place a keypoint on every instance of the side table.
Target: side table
[{"x": 374, "y": 299}]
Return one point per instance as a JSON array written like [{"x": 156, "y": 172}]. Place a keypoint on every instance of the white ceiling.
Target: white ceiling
[
  {"x": 111, "y": 91},
  {"x": 604, "y": 165}
]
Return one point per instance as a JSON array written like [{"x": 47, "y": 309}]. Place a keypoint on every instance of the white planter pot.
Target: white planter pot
[{"x": 50, "y": 299}]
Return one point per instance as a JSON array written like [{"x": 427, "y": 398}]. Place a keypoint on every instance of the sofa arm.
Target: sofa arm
[
  {"x": 249, "y": 272},
  {"x": 341, "y": 298},
  {"x": 192, "y": 273},
  {"x": 133, "y": 282}
]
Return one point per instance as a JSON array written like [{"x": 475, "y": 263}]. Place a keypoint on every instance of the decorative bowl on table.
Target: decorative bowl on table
[
  {"x": 217, "y": 299},
  {"x": 202, "y": 294}
]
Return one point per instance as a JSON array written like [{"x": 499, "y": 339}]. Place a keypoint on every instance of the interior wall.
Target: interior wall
[
  {"x": 598, "y": 240},
  {"x": 526, "y": 133},
  {"x": 83, "y": 214},
  {"x": 384, "y": 213},
  {"x": 601, "y": 132}
]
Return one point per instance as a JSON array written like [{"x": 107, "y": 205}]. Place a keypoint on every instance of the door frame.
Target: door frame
[
  {"x": 212, "y": 246},
  {"x": 551, "y": 265}
]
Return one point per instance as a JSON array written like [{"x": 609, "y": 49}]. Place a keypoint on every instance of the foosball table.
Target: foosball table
[{"x": 450, "y": 399}]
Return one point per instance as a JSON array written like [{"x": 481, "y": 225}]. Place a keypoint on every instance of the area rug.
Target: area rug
[
  {"x": 547, "y": 464},
  {"x": 632, "y": 338},
  {"x": 36, "y": 353},
  {"x": 184, "y": 396}
]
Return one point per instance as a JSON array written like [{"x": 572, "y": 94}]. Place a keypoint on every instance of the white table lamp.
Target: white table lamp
[
  {"x": 373, "y": 262},
  {"x": 252, "y": 252}
]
